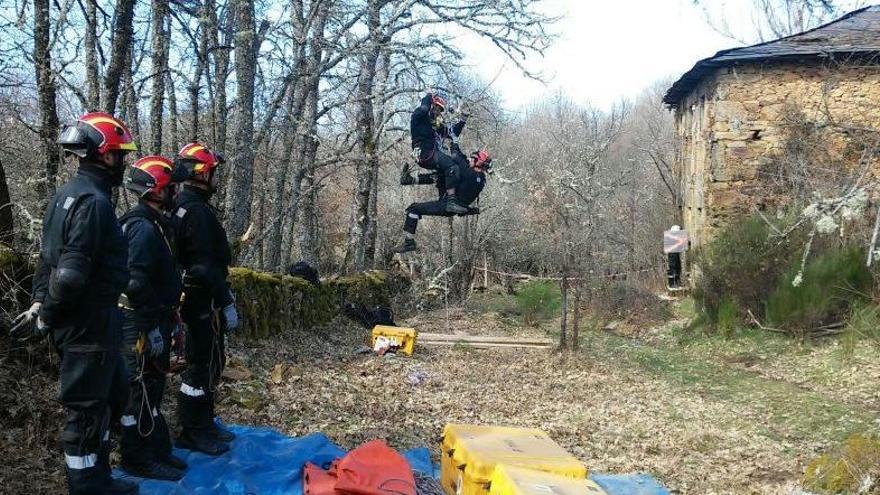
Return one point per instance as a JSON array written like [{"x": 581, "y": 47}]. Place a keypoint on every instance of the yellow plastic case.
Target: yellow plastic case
[
  {"x": 404, "y": 337},
  {"x": 470, "y": 453},
  {"x": 512, "y": 480}
]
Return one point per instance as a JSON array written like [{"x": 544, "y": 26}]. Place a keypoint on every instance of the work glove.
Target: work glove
[
  {"x": 230, "y": 315},
  {"x": 29, "y": 324},
  {"x": 155, "y": 342}
]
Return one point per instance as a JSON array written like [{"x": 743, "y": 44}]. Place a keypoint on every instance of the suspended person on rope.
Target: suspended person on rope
[
  {"x": 208, "y": 306},
  {"x": 427, "y": 130},
  {"x": 150, "y": 317},
  {"x": 473, "y": 180},
  {"x": 80, "y": 274}
]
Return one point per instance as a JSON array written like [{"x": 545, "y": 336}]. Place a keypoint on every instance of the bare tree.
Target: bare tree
[
  {"x": 47, "y": 94},
  {"x": 120, "y": 53}
]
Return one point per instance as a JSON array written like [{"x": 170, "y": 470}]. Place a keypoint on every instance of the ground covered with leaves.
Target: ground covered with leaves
[{"x": 703, "y": 415}]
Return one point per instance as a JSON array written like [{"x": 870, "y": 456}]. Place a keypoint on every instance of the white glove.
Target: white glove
[
  {"x": 22, "y": 325},
  {"x": 231, "y": 317},
  {"x": 31, "y": 312}
]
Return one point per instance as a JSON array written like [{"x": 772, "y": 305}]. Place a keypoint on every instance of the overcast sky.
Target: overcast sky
[{"x": 609, "y": 49}]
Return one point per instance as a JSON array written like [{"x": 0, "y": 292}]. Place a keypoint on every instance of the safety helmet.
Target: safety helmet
[
  {"x": 481, "y": 159},
  {"x": 675, "y": 228},
  {"x": 96, "y": 133},
  {"x": 195, "y": 158},
  {"x": 151, "y": 174},
  {"x": 439, "y": 100}
]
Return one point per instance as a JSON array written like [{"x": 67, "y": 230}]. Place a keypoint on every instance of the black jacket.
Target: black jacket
[
  {"x": 420, "y": 128},
  {"x": 154, "y": 284},
  {"x": 83, "y": 264},
  {"x": 202, "y": 249},
  {"x": 471, "y": 182}
]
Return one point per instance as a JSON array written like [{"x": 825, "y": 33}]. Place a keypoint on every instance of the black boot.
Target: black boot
[
  {"x": 122, "y": 487},
  {"x": 153, "y": 470},
  {"x": 201, "y": 441},
  {"x": 407, "y": 246},
  {"x": 454, "y": 207},
  {"x": 221, "y": 433},
  {"x": 173, "y": 461}
]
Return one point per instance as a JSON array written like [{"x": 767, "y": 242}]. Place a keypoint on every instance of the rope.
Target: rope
[
  {"x": 215, "y": 350},
  {"x": 145, "y": 401}
]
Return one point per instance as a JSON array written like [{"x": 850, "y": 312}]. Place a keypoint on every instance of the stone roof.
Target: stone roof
[{"x": 855, "y": 33}]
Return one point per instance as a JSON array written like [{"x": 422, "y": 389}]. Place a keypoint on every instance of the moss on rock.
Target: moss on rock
[
  {"x": 847, "y": 468},
  {"x": 271, "y": 303}
]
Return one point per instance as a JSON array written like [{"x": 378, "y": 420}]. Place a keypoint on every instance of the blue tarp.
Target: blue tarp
[{"x": 263, "y": 461}]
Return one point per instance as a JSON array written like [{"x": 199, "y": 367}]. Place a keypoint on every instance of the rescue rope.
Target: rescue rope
[
  {"x": 214, "y": 365},
  {"x": 145, "y": 400}
]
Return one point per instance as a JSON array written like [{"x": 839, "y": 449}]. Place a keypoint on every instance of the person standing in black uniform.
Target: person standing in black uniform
[
  {"x": 473, "y": 180},
  {"x": 150, "y": 317},
  {"x": 81, "y": 272},
  {"x": 427, "y": 131},
  {"x": 209, "y": 306}
]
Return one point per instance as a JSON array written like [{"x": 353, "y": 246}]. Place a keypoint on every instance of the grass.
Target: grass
[{"x": 787, "y": 408}]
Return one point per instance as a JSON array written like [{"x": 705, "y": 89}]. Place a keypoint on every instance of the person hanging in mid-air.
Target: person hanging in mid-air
[
  {"x": 149, "y": 308},
  {"x": 427, "y": 130},
  {"x": 472, "y": 174}
]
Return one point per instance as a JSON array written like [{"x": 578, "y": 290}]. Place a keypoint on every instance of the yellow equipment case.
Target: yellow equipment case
[
  {"x": 470, "y": 453},
  {"x": 511, "y": 480},
  {"x": 402, "y": 338}
]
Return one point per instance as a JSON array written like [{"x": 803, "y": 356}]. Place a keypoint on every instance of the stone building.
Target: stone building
[{"x": 731, "y": 112}]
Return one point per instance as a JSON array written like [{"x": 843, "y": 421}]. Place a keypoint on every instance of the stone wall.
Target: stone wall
[{"x": 734, "y": 123}]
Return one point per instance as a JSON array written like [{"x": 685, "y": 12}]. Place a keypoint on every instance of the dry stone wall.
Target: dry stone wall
[{"x": 735, "y": 122}]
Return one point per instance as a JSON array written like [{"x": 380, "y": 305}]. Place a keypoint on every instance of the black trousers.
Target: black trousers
[
  {"x": 94, "y": 392},
  {"x": 415, "y": 211},
  {"x": 436, "y": 159},
  {"x": 205, "y": 359},
  {"x": 673, "y": 273},
  {"x": 145, "y": 434}
]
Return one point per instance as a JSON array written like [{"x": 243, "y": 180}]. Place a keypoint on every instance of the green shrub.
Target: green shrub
[
  {"x": 740, "y": 268},
  {"x": 831, "y": 282},
  {"x": 728, "y": 317},
  {"x": 537, "y": 301},
  {"x": 863, "y": 324}
]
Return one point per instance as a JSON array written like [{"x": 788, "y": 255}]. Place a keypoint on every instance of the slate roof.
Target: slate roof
[{"x": 855, "y": 33}]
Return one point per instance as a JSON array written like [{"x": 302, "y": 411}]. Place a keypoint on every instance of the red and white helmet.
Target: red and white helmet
[
  {"x": 196, "y": 158},
  {"x": 481, "y": 159},
  {"x": 94, "y": 134},
  {"x": 152, "y": 174}
]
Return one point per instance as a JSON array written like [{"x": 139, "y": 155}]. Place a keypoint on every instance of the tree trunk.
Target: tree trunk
[
  {"x": 92, "y": 77},
  {"x": 356, "y": 253},
  {"x": 120, "y": 53},
  {"x": 46, "y": 94},
  {"x": 238, "y": 197},
  {"x": 160, "y": 66},
  {"x": 130, "y": 103},
  {"x": 563, "y": 321},
  {"x": 576, "y": 321},
  {"x": 173, "y": 117},
  {"x": 383, "y": 71},
  {"x": 221, "y": 73},
  {"x": 201, "y": 70},
  {"x": 6, "y": 219}
]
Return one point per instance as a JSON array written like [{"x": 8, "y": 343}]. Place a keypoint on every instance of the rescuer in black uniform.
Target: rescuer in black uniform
[
  {"x": 82, "y": 270},
  {"x": 427, "y": 131},
  {"x": 209, "y": 306},
  {"x": 473, "y": 180},
  {"x": 150, "y": 317}
]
